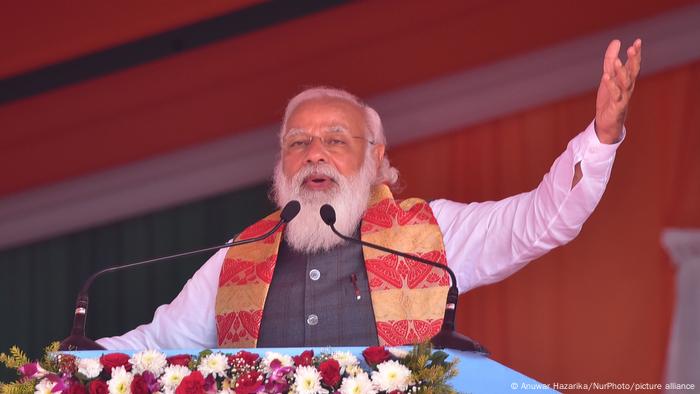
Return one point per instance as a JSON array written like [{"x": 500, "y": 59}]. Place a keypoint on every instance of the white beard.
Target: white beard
[{"x": 349, "y": 197}]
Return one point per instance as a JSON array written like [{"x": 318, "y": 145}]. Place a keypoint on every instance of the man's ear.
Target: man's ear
[{"x": 378, "y": 152}]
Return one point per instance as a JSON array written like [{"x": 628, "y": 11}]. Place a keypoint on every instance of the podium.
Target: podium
[{"x": 477, "y": 373}]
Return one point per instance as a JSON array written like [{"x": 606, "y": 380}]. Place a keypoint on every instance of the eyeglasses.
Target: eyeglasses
[{"x": 332, "y": 141}]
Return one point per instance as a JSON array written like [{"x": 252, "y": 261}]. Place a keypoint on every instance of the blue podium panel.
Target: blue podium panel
[
  {"x": 480, "y": 374},
  {"x": 477, "y": 373}
]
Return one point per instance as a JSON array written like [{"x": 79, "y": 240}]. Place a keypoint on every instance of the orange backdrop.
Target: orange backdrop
[{"x": 598, "y": 309}]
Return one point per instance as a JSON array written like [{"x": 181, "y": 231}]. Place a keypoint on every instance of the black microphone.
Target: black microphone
[
  {"x": 77, "y": 339},
  {"x": 447, "y": 337}
]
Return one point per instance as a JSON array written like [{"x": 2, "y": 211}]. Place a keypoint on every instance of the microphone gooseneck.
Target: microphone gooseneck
[
  {"x": 447, "y": 337},
  {"x": 77, "y": 339}
]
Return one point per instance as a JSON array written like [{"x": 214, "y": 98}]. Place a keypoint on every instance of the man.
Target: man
[{"x": 304, "y": 286}]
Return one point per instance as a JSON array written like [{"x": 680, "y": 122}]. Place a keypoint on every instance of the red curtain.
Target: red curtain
[{"x": 598, "y": 309}]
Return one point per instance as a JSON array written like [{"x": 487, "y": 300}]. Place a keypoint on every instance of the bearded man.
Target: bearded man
[{"x": 305, "y": 286}]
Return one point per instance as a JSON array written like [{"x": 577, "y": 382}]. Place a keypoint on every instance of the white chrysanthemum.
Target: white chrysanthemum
[
  {"x": 214, "y": 364},
  {"x": 359, "y": 384},
  {"x": 345, "y": 359},
  {"x": 172, "y": 376},
  {"x": 120, "y": 382},
  {"x": 44, "y": 387},
  {"x": 148, "y": 360},
  {"x": 398, "y": 352},
  {"x": 354, "y": 370},
  {"x": 391, "y": 375},
  {"x": 307, "y": 380},
  {"x": 285, "y": 359},
  {"x": 89, "y": 367}
]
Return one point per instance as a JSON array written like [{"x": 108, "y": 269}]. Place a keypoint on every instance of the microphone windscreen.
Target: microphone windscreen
[
  {"x": 290, "y": 211},
  {"x": 328, "y": 214}
]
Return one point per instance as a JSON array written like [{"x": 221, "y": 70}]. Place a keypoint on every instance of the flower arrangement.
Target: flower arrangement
[{"x": 384, "y": 371}]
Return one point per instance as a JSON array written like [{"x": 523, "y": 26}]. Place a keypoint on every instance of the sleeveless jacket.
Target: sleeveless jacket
[{"x": 408, "y": 297}]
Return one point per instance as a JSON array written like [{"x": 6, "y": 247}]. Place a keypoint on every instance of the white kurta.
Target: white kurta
[{"x": 485, "y": 243}]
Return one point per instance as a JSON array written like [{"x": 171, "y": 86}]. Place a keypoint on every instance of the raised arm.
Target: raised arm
[{"x": 486, "y": 242}]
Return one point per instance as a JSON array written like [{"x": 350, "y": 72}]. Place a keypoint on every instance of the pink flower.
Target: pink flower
[
  {"x": 151, "y": 381},
  {"x": 277, "y": 382},
  {"x": 32, "y": 370},
  {"x": 61, "y": 383}
]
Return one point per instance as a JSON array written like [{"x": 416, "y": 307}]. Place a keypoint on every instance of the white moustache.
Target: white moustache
[{"x": 317, "y": 169}]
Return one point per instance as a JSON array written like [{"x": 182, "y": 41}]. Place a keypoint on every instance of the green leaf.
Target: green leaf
[
  {"x": 15, "y": 359},
  {"x": 439, "y": 357},
  {"x": 205, "y": 353},
  {"x": 18, "y": 387}
]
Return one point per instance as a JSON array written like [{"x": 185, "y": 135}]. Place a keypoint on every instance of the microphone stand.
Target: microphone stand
[
  {"x": 447, "y": 337},
  {"x": 77, "y": 339}
]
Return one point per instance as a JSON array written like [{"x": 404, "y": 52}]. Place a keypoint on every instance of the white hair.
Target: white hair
[{"x": 375, "y": 131}]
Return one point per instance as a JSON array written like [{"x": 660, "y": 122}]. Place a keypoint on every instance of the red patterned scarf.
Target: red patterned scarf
[{"x": 408, "y": 297}]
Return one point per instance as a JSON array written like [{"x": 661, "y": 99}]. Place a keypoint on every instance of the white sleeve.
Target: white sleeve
[
  {"x": 188, "y": 322},
  {"x": 486, "y": 242}
]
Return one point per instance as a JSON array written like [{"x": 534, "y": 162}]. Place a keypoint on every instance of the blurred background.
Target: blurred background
[{"x": 132, "y": 130}]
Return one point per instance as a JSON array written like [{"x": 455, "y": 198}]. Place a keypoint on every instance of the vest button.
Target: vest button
[
  {"x": 312, "y": 320},
  {"x": 314, "y": 274}
]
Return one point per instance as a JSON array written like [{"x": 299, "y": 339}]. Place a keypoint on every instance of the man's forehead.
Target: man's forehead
[
  {"x": 324, "y": 107},
  {"x": 337, "y": 127},
  {"x": 326, "y": 113}
]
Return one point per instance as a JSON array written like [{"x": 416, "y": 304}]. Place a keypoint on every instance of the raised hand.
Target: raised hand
[{"x": 615, "y": 90}]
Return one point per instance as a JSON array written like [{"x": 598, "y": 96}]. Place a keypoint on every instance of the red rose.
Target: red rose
[
  {"x": 98, "y": 386},
  {"x": 76, "y": 388},
  {"x": 114, "y": 360},
  {"x": 395, "y": 392},
  {"x": 248, "y": 358},
  {"x": 191, "y": 384},
  {"x": 330, "y": 372},
  {"x": 139, "y": 386},
  {"x": 305, "y": 359},
  {"x": 180, "y": 359},
  {"x": 249, "y": 383},
  {"x": 376, "y": 355}
]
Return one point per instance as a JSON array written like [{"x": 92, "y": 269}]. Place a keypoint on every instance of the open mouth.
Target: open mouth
[{"x": 318, "y": 182}]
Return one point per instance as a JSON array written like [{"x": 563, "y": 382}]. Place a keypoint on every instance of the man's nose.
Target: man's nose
[{"x": 316, "y": 152}]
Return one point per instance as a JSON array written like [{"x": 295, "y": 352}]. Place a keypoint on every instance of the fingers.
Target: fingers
[
  {"x": 622, "y": 76},
  {"x": 634, "y": 59},
  {"x": 611, "y": 54},
  {"x": 616, "y": 87},
  {"x": 612, "y": 87}
]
